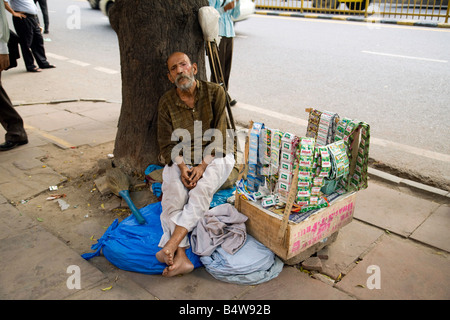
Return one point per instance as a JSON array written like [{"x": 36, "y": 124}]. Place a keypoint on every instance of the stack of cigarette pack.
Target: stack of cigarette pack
[
  {"x": 322, "y": 156},
  {"x": 289, "y": 144},
  {"x": 345, "y": 132},
  {"x": 253, "y": 176}
]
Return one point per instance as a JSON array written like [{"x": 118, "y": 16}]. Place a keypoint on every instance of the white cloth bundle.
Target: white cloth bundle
[{"x": 209, "y": 22}]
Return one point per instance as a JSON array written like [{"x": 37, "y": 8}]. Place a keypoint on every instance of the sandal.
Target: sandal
[{"x": 36, "y": 69}]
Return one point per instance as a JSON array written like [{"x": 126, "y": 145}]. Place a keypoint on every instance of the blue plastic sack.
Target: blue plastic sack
[
  {"x": 156, "y": 186},
  {"x": 221, "y": 196},
  {"x": 131, "y": 246}
]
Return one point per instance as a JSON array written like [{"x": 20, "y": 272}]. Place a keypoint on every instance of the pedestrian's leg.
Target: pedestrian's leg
[
  {"x": 44, "y": 9},
  {"x": 10, "y": 119},
  {"x": 225, "y": 56},
  {"x": 24, "y": 31},
  {"x": 37, "y": 45}
]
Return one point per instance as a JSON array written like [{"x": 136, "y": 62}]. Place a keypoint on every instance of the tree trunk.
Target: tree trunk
[{"x": 148, "y": 32}]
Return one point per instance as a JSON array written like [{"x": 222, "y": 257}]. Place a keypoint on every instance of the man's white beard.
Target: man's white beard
[{"x": 186, "y": 86}]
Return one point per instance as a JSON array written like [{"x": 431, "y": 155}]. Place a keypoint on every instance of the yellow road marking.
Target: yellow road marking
[{"x": 49, "y": 136}]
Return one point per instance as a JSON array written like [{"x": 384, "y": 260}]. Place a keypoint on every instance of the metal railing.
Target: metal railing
[{"x": 436, "y": 10}]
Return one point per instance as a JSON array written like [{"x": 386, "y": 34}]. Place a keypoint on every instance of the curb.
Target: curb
[
  {"x": 416, "y": 187},
  {"x": 357, "y": 19},
  {"x": 18, "y": 103}
]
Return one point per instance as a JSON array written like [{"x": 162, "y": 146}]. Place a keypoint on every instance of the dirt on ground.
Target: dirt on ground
[{"x": 86, "y": 212}]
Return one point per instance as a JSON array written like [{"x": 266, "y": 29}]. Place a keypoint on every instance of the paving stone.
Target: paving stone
[
  {"x": 23, "y": 184},
  {"x": 4, "y": 175},
  {"x": 27, "y": 164},
  {"x": 90, "y": 132},
  {"x": 197, "y": 285},
  {"x": 35, "y": 265},
  {"x": 107, "y": 113},
  {"x": 323, "y": 254},
  {"x": 15, "y": 192},
  {"x": 312, "y": 264},
  {"x": 12, "y": 221},
  {"x": 407, "y": 271},
  {"x": 435, "y": 230},
  {"x": 102, "y": 185},
  {"x": 22, "y": 152},
  {"x": 35, "y": 109},
  {"x": 352, "y": 242},
  {"x": 392, "y": 210},
  {"x": 112, "y": 289},
  {"x": 292, "y": 284},
  {"x": 53, "y": 121}
]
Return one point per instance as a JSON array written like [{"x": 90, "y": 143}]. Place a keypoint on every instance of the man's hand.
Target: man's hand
[
  {"x": 186, "y": 176},
  {"x": 229, "y": 6},
  {"x": 19, "y": 15},
  {"x": 15, "y": 14},
  {"x": 4, "y": 61},
  {"x": 197, "y": 173},
  {"x": 190, "y": 177}
]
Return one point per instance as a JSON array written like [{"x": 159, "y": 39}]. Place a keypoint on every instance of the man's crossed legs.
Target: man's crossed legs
[{"x": 183, "y": 208}]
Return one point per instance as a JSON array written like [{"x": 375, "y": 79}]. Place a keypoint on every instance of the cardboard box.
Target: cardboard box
[{"x": 264, "y": 225}]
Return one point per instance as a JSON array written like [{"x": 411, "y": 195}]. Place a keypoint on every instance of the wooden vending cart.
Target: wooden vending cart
[
  {"x": 299, "y": 240},
  {"x": 292, "y": 241}
]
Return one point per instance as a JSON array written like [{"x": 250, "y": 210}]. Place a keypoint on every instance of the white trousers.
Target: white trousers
[{"x": 183, "y": 207}]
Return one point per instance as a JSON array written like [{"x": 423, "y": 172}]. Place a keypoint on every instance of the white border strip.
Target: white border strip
[{"x": 403, "y": 57}]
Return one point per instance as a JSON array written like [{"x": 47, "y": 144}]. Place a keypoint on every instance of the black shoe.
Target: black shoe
[
  {"x": 8, "y": 145},
  {"x": 233, "y": 102}
]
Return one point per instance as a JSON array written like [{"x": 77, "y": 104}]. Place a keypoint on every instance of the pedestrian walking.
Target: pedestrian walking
[
  {"x": 44, "y": 9},
  {"x": 9, "y": 118},
  {"x": 227, "y": 9},
  {"x": 27, "y": 27}
]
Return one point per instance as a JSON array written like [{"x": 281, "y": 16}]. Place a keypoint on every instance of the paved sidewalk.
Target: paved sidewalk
[{"x": 400, "y": 233}]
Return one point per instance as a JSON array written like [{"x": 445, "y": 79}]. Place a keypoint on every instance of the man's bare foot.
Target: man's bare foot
[
  {"x": 181, "y": 265},
  {"x": 165, "y": 255}
]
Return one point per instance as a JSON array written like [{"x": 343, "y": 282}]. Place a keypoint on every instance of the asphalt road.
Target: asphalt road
[{"x": 396, "y": 78}]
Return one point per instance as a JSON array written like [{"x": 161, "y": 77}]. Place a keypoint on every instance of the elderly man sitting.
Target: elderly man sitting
[{"x": 196, "y": 167}]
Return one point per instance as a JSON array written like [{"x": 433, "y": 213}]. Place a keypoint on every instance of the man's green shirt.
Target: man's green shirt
[{"x": 208, "y": 113}]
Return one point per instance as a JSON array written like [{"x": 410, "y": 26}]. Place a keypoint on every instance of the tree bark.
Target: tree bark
[{"x": 148, "y": 32}]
